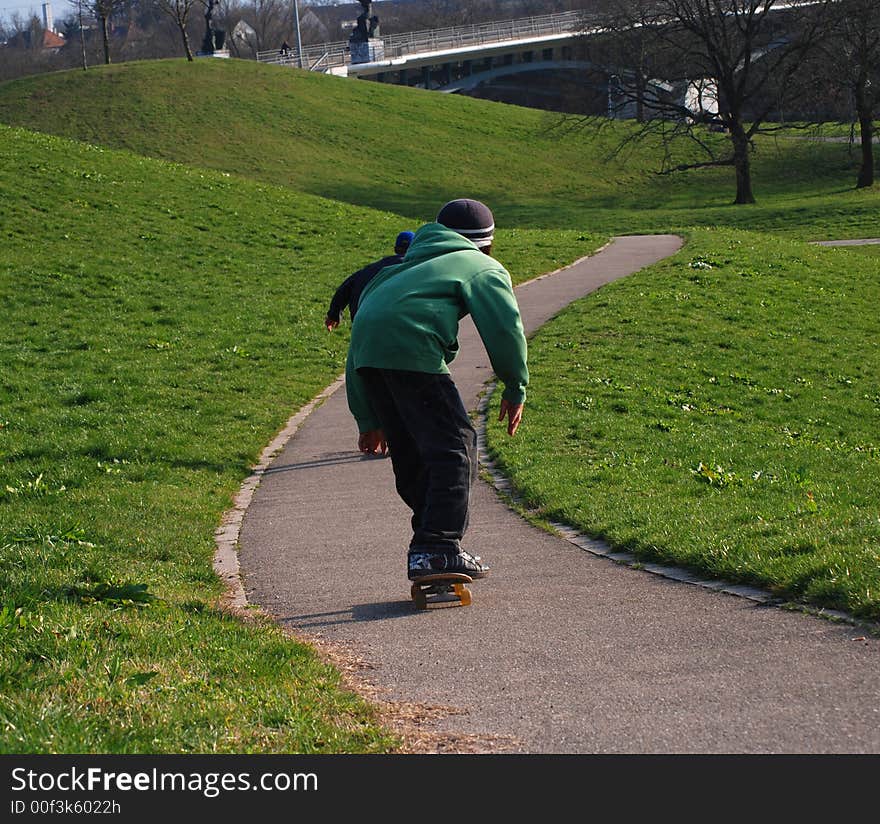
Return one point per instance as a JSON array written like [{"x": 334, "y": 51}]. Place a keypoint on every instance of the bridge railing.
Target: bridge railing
[{"x": 328, "y": 55}]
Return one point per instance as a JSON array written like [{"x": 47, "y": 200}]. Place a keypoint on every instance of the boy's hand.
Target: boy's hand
[
  {"x": 373, "y": 442},
  {"x": 330, "y": 323},
  {"x": 513, "y": 412}
]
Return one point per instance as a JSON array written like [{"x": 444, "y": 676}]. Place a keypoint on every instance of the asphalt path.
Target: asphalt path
[
  {"x": 562, "y": 651},
  {"x": 870, "y": 241}
]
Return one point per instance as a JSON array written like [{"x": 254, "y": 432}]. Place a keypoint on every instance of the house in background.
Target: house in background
[{"x": 38, "y": 37}]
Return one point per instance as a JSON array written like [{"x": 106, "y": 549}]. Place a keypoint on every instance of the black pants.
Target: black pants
[{"x": 433, "y": 449}]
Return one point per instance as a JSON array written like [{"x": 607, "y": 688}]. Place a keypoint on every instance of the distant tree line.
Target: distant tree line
[{"x": 689, "y": 70}]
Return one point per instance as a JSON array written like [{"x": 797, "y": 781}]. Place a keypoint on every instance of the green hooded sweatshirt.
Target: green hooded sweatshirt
[{"x": 408, "y": 317}]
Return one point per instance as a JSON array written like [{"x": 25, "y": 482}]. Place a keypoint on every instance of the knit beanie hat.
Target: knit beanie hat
[
  {"x": 469, "y": 218},
  {"x": 404, "y": 239}
]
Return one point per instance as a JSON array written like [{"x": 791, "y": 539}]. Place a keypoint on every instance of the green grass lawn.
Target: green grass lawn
[
  {"x": 868, "y": 250},
  {"x": 162, "y": 300},
  {"x": 719, "y": 411}
]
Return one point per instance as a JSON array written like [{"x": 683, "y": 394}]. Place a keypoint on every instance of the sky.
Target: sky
[{"x": 60, "y": 8}]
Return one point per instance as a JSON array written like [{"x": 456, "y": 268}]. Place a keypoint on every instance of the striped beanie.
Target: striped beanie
[{"x": 469, "y": 218}]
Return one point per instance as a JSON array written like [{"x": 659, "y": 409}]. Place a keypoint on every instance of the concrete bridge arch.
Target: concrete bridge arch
[{"x": 485, "y": 74}]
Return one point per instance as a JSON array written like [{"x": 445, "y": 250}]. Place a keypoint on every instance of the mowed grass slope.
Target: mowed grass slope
[
  {"x": 160, "y": 323},
  {"x": 404, "y": 149}
]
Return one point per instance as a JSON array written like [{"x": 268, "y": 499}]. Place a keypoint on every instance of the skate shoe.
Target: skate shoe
[{"x": 435, "y": 563}]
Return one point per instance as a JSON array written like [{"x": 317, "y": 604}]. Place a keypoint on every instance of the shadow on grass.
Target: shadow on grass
[{"x": 115, "y": 594}]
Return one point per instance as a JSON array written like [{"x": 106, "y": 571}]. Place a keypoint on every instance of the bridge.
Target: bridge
[
  {"x": 461, "y": 58},
  {"x": 450, "y": 59}
]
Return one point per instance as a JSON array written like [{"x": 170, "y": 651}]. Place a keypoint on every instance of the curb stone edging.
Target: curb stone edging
[{"x": 226, "y": 535}]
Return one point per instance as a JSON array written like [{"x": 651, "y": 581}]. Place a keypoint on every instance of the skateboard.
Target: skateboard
[{"x": 447, "y": 589}]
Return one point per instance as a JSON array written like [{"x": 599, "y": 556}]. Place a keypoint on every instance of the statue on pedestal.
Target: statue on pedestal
[
  {"x": 214, "y": 38},
  {"x": 364, "y": 43},
  {"x": 367, "y": 26}
]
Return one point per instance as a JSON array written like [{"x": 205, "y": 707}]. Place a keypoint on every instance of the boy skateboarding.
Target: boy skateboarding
[{"x": 398, "y": 384}]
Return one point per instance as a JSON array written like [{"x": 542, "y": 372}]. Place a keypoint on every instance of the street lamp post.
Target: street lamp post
[{"x": 299, "y": 46}]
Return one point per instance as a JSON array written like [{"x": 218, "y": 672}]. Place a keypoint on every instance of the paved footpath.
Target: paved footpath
[
  {"x": 868, "y": 241},
  {"x": 562, "y": 651}
]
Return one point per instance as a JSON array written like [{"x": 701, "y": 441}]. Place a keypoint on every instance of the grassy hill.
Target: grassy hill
[
  {"x": 140, "y": 324},
  {"x": 406, "y": 150},
  {"x": 162, "y": 286},
  {"x": 161, "y": 322}
]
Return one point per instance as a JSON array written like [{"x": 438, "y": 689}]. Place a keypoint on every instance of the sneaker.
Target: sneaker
[{"x": 432, "y": 563}]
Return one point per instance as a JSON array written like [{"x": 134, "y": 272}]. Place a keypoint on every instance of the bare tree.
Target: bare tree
[
  {"x": 179, "y": 11},
  {"x": 26, "y": 31},
  {"x": 271, "y": 21},
  {"x": 80, "y": 15},
  {"x": 103, "y": 11},
  {"x": 139, "y": 31},
  {"x": 850, "y": 59},
  {"x": 242, "y": 39},
  {"x": 685, "y": 65},
  {"x": 439, "y": 14}
]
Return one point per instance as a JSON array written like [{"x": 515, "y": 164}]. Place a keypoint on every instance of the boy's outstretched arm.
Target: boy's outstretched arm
[
  {"x": 373, "y": 442},
  {"x": 513, "y": 412},
  {"x": 337, "y": 302}
]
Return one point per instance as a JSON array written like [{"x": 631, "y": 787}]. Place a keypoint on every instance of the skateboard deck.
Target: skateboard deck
[{"x": 441, "y": 589}]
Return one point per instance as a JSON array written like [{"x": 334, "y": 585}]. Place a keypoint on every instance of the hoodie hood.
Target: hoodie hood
[{"x": 434, "y": 239}]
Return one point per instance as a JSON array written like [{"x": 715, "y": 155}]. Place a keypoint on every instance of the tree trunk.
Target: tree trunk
[
  {"x": 82, "y": 36},
  {"x": 866, "y": 128},
  {"x": 640, "y": 98},
  {"x": 742, "y": 165},
  {"x": 187, "y": 50},
  {"x": 106, "y": 40}
]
